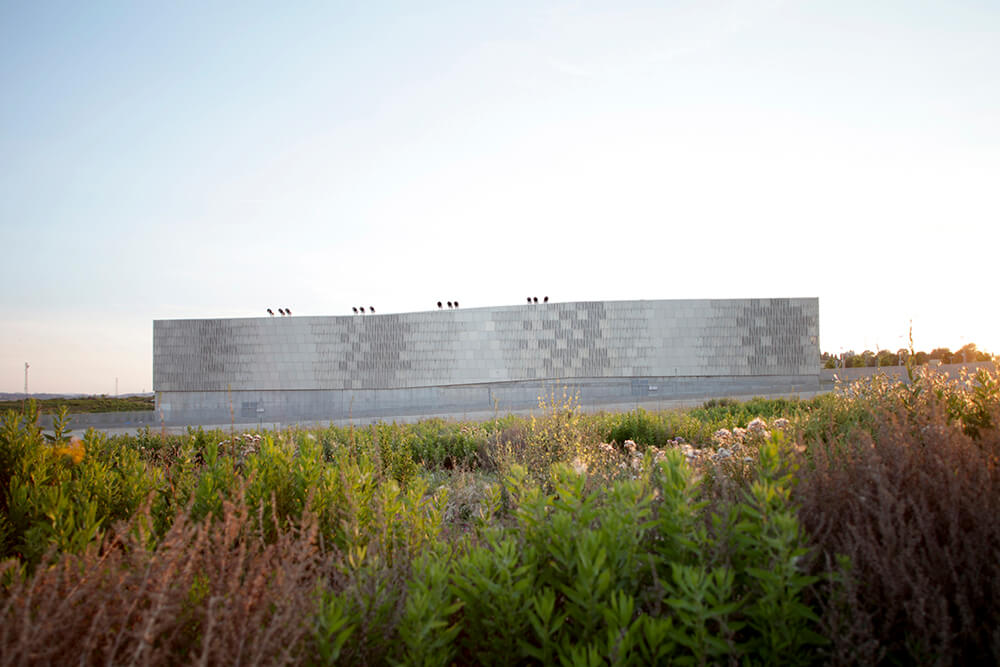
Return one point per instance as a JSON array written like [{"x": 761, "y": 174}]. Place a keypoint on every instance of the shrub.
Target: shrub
[
  {"x": 640, "y": 427},
  {"x": 59, "y": 491},
  {"x": 211, "y": 592},
  {"x": 729, "y": 413},
  {"x": 910, "y": 495},
  {"x": 441, "y": 444},
  {"x": 558, "y": 434}
]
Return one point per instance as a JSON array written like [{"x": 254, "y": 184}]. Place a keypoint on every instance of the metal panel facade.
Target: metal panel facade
[{"x": 620, "y": 339}]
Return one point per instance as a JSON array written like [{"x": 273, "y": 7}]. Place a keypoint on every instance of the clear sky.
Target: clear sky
[{"x": 211, "y": 159}]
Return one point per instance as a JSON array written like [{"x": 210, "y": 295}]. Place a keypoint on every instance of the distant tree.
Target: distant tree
[
  {"x": 855, "y": 360},
  {"x": 887, "y": 358},
  {"x": 942, "y": 354},
  {"x": 967, "y": 353}
]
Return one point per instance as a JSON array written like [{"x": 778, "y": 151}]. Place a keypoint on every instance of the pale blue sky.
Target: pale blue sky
[{"x": 213, "y": 159}]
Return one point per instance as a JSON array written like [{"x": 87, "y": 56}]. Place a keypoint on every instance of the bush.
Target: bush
[
  {"x": 441, "y": 444},
  {"x": 910, "y": 494},
  {"x": 211, "y": 592},
  {"x": 727, "y": 413}
]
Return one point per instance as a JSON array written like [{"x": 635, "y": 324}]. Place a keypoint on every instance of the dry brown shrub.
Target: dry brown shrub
[
  {"x": 915, "y": 509},
  {"x": 212, "y": 593},
  {"x": 500, "y": 446}
]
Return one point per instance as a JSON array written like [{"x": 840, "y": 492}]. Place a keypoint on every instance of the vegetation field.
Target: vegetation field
[
  {"x": 859, "y": 527},
  {"x": 86, "y": 404}
]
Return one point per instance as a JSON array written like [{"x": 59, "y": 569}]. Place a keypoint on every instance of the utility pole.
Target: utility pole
[{"x": 23, "y": 400}]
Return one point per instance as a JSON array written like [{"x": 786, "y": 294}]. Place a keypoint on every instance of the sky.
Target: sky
[{"x": 210, "y": 159}]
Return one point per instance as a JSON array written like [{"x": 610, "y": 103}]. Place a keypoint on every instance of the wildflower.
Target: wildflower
[
  {"x": 723, "y": 436},
  {"x": 606, "y": 447},
  {"x": 579, "y": 466},
  {"x": 781, "y": 423},
  {"x": 74, "y": 450},
  {"x": 630, "y": 446},
  {"x": 757, "y": 429},
  {"x": 739, "y": 434}
]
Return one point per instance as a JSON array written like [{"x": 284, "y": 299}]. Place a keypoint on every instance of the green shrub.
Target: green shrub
[
  {"x": 728, "y": 413},
  {"x": 426, "y": 631},
  {"x": 495, "y": 584},
  {"x": 441, "y": 444},
  {"x": 640, "y": 427},
  {"x": 60, "y": 492},
  {"x": 768, "y": 550}
]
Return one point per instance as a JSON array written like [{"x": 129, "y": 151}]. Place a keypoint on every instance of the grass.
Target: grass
[{"x": 86, "y": 404}]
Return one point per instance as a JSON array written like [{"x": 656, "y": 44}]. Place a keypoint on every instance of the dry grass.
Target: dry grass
[{"x": 210, "y": 593}]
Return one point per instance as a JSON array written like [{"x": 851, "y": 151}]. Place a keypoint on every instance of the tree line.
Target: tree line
[{"x": 850, "y": 359}]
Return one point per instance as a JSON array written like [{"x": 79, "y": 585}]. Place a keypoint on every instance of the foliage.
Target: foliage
[
  {"x": 910, "y": 497},
  {"x": 58, "y": 494},
  {"x": 968, "y": 353},
  {"x": 210, "y": 592},
  {"x": 860, "y": 531},
  {"x": 438, "y": 443},
  {"x": 47, "y": 406}
]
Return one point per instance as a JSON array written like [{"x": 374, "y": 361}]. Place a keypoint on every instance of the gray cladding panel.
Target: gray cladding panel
[{"x": 560, "y": 340}]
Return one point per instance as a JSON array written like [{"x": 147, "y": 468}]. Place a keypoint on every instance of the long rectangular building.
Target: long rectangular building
[{"x": 285, "y": 368}]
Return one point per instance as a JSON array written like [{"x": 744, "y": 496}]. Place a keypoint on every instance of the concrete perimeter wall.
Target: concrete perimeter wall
[
  {"x": 334, "y": 367},
  {"x": 289, "y": 406},
  {"x": 81, "y": 421},
  {"x": 830, "y": 376}
]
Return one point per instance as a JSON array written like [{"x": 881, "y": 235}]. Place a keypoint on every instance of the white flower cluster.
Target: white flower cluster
[
  {"x": 723, "y": 437},
  {"x": 633, "y": 457},
  {"x": 755, "y": 431},
  {"x": 243, "y": 445},
  {"x": 737, "y": 444}
]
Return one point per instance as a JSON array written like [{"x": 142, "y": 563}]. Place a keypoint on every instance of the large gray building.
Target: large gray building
[{"x": 467, "y": 360}]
